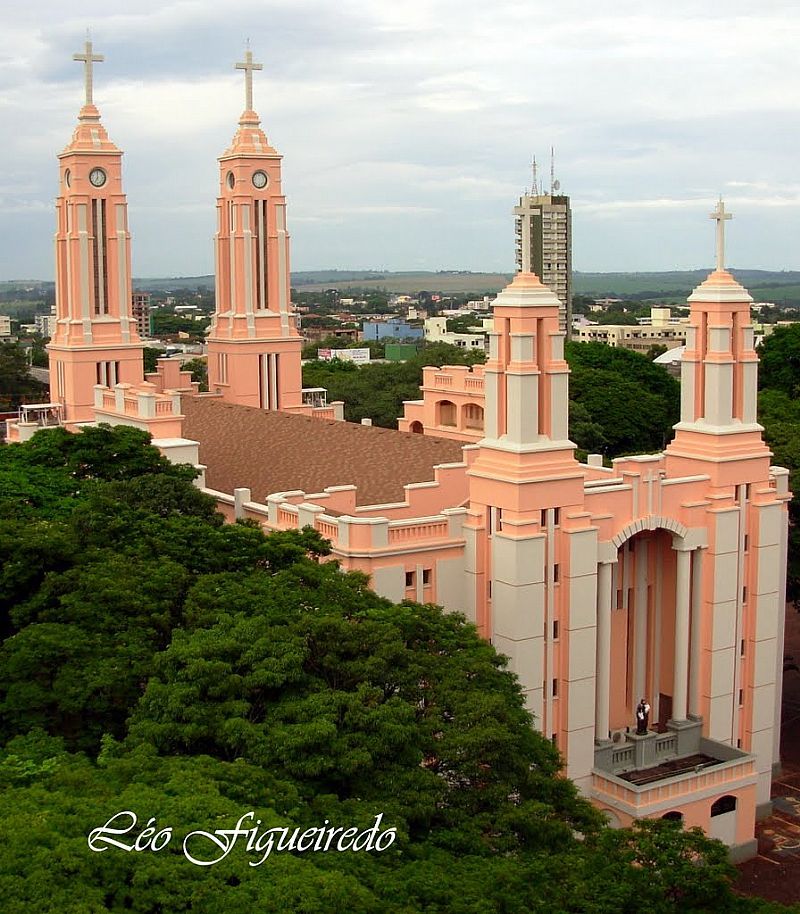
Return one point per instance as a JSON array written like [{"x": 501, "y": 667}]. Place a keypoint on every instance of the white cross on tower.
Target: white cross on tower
[
  {"x": 248, "y": 66},
  {"x": 721, "y": 217},
  {"x": 88, "y": 59}
]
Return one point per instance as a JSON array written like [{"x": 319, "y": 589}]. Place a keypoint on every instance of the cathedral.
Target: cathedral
[{"x": 641, "y": 605}]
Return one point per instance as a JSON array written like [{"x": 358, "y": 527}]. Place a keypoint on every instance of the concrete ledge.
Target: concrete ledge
[{"x": 738, "y": 853}]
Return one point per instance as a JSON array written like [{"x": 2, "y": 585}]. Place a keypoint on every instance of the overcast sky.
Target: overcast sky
[{"x": 407, "y": 128}]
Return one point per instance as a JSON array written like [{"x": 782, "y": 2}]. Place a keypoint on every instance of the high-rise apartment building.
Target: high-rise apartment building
[
  {"x": 544, "y": 245},
  {"x": 140, "y": 308}
]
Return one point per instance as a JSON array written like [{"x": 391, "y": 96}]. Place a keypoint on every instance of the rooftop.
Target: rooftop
[{"x": 267, "y": 452}]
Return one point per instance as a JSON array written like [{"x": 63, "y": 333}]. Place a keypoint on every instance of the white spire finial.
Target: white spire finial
[
  {"x": 721, "y": 218},
  {"x": 88, "y": 58},
  {"x": 248, "y": 66}
]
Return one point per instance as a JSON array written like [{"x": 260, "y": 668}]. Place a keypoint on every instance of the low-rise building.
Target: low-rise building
[
  {"x": 45, "y": 323},
  {"x": 663, "y": 330},
  {"x": 394, "y": 330},
  {"x": 475, "y": 339}
]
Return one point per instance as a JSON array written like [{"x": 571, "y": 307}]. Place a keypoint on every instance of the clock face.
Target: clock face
[
  {"x": 98, "y": 177},
  {"x": 260, "y": 179}
]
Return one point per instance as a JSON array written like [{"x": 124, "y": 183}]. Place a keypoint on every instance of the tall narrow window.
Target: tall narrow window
[
  {"x": 260, "y": 233},
  {"x": 99, "y": 259}
]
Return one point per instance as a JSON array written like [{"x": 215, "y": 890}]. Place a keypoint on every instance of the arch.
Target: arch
[
  {"x": 416, "y": 428},
  {"x": 473, "y": 416},
  {"x": 446, "y": 413},
  {"x": 723, "y": 804},
  {"x": 654, "y": 522},
  {"x": 612, "y": 819},
  {"x": 673, "y": 816}
]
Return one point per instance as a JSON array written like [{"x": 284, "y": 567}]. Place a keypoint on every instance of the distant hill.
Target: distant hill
[{"x": 765, "y": 285}]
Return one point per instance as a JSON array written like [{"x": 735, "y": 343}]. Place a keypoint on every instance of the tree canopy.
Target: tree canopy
[
  {"x": 16, "y": 385},
  {"x": 604, "y": 382}
]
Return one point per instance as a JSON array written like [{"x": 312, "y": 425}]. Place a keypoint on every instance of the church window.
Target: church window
[
  {"x": 473, "y": 416},
  {"x": 426, "y": 576},
  {"x": 556, "y": 573},
  {"x": 447, "y": 413},
  {"x": 99, "y": 258},
  {"x": 410, "y": 576}
]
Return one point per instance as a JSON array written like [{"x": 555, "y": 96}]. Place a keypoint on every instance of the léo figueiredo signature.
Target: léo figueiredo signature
[{"x": 205, "y": 848}]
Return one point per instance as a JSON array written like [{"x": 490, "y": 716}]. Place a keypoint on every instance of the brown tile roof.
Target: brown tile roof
[{"x": 276, "y": 452}]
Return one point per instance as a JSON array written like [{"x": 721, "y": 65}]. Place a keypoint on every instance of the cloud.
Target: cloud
[{"x": 409, "y": 127}]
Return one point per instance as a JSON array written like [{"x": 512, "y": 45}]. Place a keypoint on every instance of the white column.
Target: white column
[
  {"x": 640, "y": 632},
  {"x": 696, "y": 633},
  {"x": 681, "y": 659},
  {"x": 603, "y": 692}
]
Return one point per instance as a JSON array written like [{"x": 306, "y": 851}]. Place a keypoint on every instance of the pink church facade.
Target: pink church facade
[{"x": 661, "y": 577}]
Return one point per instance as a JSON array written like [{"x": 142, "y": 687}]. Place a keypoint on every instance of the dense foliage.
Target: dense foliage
[
  {"x": 604, "y": 383},
  {"x": 16, "y": 385},
  {"x": 779, "y": 413},
  {"x": 157, "y": 661}
]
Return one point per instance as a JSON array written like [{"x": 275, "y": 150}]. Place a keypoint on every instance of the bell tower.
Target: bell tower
[
  {"x": 523, "y": 478},
  {"x": 719, "y": 382},
  {"x": 253, "y": 346},
  {"x": 95, "y": 340}
]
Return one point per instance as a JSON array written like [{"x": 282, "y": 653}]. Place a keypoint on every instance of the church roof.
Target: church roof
[{"x": 267, "y": 452}]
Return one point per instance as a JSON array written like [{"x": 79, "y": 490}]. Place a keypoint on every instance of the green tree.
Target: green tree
[
  {"x": 199, "y": 370},
  {"x": 151, "y": 356},
  {"x": 655, "y": 351},
  {"x": 16, "y": 385},
  {"x": 779, "y": 355},
  {"x": 604, "y": 382}
]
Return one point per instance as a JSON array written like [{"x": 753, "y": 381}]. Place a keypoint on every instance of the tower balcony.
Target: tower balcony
[
  {"x": 31, "y": 418},
  {"x": 679, "y": 774}
]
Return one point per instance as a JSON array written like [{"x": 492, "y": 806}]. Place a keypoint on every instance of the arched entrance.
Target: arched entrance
[
  {"x": 642, "y": 630},
  {"x": 648, "y": 638}
]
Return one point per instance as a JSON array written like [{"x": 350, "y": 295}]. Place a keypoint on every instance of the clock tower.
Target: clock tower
[
  {"x": 95, "y": 340},
  {"x": 253, "y": 345}
]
